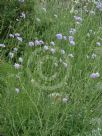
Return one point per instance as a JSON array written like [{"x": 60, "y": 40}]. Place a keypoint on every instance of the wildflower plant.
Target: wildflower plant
[{"x": 50, "y": 68}]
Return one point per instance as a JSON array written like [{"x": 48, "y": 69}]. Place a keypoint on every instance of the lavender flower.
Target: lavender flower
[
  {"x": 99, "y": 5},
  {"x": 17, "y": 66},
  {"x": 59, "y": 36},
  {"x": 95, "y": 75},
  {"x": 71, "y": 38},
  {"x": 72, "y": 43},
  {"x": 78, "y": 19},
  {"x": 65, "y": 38}
]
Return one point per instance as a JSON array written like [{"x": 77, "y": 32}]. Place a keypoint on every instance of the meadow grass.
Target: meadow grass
[{"x": 47, "y": 89}]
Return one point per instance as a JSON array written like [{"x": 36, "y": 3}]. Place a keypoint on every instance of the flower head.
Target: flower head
[
  {"x": 46, "y": 48},
  {"x": 59, "y": 36},
  {"x": 52, "y": 43},
  {"x": 62, "y": 52},
  {"x": 52, "y": 50},
  {"x": 17, "y": 90},
  {"x": 20, "y": 60},
  {"x": 2, "y": 45},
  {"x": 11, "y": 55},
  {"x": 95, "y": 75},
  {"x": 19, "y": 39},
  {"x": 17, "y": 66},
  {"x": 31, "y": 44}
]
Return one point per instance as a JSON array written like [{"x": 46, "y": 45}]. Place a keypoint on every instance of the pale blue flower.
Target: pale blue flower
[
  {"x": 17, "y": 90},
  {"x": 65, "y": 38},
  {"x": 52, "y": 43},
  {"x": 17, "y": 66},
  {"x": 2, "y": 45},
  {"x": 59, "y": 36},
  {"x": 52, "y": 50},
  {"x": 95, "y": 75},
  {"x": 72, "y": 43},
  {"x": 46, "y": 47},
  {"x": 98, "y": 44},
  {"x": 31, "y": 44}
]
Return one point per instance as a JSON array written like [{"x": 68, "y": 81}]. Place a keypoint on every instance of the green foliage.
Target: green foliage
[{"x": 33, "y": 110}]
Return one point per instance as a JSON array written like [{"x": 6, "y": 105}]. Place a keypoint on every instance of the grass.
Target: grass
[{"x": 52, "y": 99}]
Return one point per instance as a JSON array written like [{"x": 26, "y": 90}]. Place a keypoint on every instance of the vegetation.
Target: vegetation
[{"x": 50, "y": 68}]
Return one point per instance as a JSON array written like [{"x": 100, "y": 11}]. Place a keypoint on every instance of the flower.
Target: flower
[
  {"x": 72, "y": 31},
  {"x": 78, "y": 19},
  {"x": 19, "y": 39},
  {"x": 17, "y": 90},
  {"x": 65, "y": 100},
  {"x": 11, "y": 35},
  {"x": 21, "y": 0},
  {"x": 98, "y": 44},
  {"x": 38, "y": 42},
  {"x": 65, "y": 38},
  {"x": 16, "y": 34},
  {"x": 95, "y": 75},
  {"x": 72, "y": 43},
  {"x": 46, "y": 48},
  {"x": 59, "y": 36},
  {"x": 20, "y": 59},
  {"x": 17, "y": 66},
  {"x": 11, "y": 55},
  {"x": 23, "y": 15},
  {"x": 31, "y": 44},
  {"x": 71, "y": 38},
  {"x": 62, "y": 52},
  {"x": 15, "y": 49},
  {"x": 93, "y": 56},
  {"x": 52, "y": 50},
  {"x": 41, "y": 42},
  {"x": 71, "y": 55},
  {"x": 52, "y": 43},
  {"x": 99, "y": 5},
  {"x": 2, "y": 45}
]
